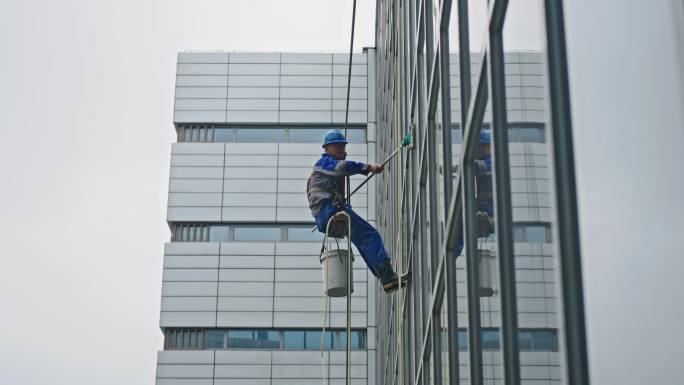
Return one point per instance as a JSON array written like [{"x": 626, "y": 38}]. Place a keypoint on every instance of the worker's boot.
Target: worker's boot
[{"x": 389, "y": 279}]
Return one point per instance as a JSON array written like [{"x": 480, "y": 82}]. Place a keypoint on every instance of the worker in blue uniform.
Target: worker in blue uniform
[
  {"x": 483, "y": 182},
  {"x": 325, "y": 191}
]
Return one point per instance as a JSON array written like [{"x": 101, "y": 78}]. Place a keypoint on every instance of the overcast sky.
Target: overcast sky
[{"x": 86, "y": 98}]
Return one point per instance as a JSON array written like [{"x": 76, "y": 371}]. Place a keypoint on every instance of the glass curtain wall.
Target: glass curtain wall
[{"x": 469, "y": 208}]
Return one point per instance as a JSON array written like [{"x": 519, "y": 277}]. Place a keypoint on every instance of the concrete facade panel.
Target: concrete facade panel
[
  {"x": 249, "y": 185},
  {"x": 185, "y": 357},
  {"x": 254, "y": 69},
  {"x": 194, "y": 214},
  {"x": 199, "y": 116},
  {"x": 201, "y": 304},
  {"x": 195, "y": 186},
  {"x": 252, "y": 117},
  {"x": 253, "y": 357},
  {"x": 248, "y": 304},
  {"x": 202, "y": 92},
  {"x": 183, "y": 319},
  {"x": 194, "y": 199},
  {"x": 253, "y": 81},
  {"x": 252, "y": 105},
  {"x": 255, "y": 57},
  {"x": 306, "y": 58},
  {"x": 249, "y": 199},
  {"x": 178, "y": 172},
  {"x": 202, "y": 57},
  {"x": 249, "y": 214},
  {"x": 245, "y": 289},
  {"x": 305, "y": 117},
  {"x": 244, "y": 319},
  {"x": 253, "y": 93},
  {"x": 195, "y": 289}
]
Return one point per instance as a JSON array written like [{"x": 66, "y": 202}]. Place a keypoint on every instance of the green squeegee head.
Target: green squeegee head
[{"x": 408, "y": 139}]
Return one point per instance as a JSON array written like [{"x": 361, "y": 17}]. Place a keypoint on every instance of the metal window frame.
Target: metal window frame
[{"x": 426, "y": 74}]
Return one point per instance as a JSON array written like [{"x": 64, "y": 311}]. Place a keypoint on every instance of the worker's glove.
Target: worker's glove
[{"x": 375, "y": 168}]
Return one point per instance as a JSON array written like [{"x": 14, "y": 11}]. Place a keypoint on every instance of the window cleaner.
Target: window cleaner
[{"x": 325, "y": 191}]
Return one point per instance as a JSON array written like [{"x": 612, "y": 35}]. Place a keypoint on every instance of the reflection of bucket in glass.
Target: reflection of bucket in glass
[{"x": 335, "y": 268}]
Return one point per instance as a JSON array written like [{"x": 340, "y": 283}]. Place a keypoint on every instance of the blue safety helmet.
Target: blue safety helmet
[
  {"x": 334, "y": 136},
  {"x": 485, "y": 137}
]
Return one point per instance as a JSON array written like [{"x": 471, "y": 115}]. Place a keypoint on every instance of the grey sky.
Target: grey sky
[{"x": 86, "y": 100}]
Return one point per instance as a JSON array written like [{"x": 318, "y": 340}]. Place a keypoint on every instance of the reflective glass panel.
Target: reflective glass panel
[
  {"x": 313, "y": 340},
  {"x": 306, "y": 135},
  {"x": 545, "y": 340},
  {"x": 356, "y": 135},
  {"x": 293, "y": 339},
  {"x": 462, "y": 340},
  {"x": 261, "y": 135},
  {"x": 358, "y": 339},
  {"x": 256, "y": 233},
  {"x": 303, "y": 234},
  {"x": 218, "y": 233},
  {"x": 223, "y": 135},
  {"x": 524, "y": 340},
  {"x": 213, "y": 339},
  {"x": 490, "y": 339}
]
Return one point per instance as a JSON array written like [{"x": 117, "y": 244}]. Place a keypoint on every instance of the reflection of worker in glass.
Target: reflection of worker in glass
[
  {"x": 325, "y": 190},
  {"x": 483, "y": 181}
]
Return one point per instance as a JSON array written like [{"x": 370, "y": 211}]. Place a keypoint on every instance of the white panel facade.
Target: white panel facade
[{"x": 278, "y": 285}]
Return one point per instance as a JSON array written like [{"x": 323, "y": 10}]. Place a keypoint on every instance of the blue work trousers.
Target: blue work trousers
[{"x": 364, "y": 236}]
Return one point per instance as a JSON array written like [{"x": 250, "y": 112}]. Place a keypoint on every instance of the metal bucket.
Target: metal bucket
[{"x": 335, "y": 267}]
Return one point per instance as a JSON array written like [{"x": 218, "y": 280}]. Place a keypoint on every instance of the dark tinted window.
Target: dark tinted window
[
  {"x": 313, "y": 340},
  {"x": 293, "y": 339},
  {"x": 358, "y": 340},
  {"x": 213, "y": 339}
]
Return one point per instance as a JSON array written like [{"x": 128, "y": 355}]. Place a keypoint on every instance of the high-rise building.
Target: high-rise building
[
  {"x": 242, "y": 292},
  {"x": 242, "y": 286}
]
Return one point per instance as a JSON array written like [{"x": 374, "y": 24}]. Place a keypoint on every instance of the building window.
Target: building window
[
  {"x": 260, "y": 135},
  {"x": 261, "y": 339},
  {"x": 253, "y": 339},
  {"x": 529, "y": 340},
  {"x": 303, "y": 234},
  {"x": 195, "y": 133},
  {"x": 532, "y": 232},
  {"x": 264, "y": 134},
  {"x": 257, "y": 233},
  {"x": 189, "y": 232},
  {"x": 219, "y": 232},
  {"x": 184, "y": 339},
  {"x": 527, "y": 132}
]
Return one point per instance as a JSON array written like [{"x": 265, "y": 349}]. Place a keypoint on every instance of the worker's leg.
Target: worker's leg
[
  {"x": 327, "y": 210},
  {"x": 368, "y": 241}
]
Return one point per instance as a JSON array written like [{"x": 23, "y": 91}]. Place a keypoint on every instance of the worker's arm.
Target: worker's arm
[{"x": 335, "y": 167}]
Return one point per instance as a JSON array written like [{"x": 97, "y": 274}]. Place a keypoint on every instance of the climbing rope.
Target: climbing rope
[{"x": 326, "y": 298}]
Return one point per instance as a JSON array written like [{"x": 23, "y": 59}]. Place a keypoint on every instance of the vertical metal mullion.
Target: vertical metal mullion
[
  {"x": 464, "y": 60},
  {"x": 425, "y": 285},
  {"x": 468, "y": 188},
  {"x": 450, "y": 258},
  {"x": 502, "y": 202},
  {"x": 568, "y": 244}
]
